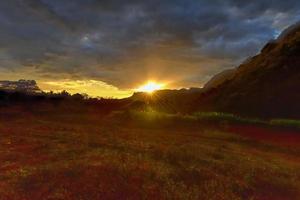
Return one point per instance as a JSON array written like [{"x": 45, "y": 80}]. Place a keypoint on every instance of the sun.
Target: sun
[{"x": 150, "y": 87}]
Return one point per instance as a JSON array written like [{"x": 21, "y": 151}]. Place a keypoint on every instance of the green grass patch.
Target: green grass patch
[
  {"x": 154, "y": 118},
  {"x": 287, "y": 123},
  {"x": 228, "y": 117}
]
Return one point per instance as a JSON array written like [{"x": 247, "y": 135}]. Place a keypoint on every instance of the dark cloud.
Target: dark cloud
[{"x": 124, "y": 42}]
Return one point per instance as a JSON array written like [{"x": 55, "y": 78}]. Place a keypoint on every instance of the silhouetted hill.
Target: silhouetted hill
[
  {"x": 266, "y": 85},
  {"x": 169, "y": 100}
]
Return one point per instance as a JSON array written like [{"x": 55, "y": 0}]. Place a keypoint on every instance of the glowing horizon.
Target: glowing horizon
[
  {"x": 150, "y": 87},
  {"x": 93, "y": 88}
]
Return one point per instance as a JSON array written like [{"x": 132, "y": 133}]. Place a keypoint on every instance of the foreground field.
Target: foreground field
[{"x": 61, "y": 154}]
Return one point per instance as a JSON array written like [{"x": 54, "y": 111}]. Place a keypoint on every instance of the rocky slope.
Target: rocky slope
[{"x": 267, "y": 85}]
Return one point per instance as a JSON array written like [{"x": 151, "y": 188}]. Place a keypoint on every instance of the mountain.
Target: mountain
[
  {"x": 28, "y": 86},
  {"x": 267, "y": 85}
]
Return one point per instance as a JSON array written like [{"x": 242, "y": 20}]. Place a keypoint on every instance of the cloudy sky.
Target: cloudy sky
[{"x": 111, "y": 47}]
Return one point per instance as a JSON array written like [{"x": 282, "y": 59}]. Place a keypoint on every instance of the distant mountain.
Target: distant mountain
[
  {"x": 28, "y": 86},
  {"x": 266, "y": 85}
]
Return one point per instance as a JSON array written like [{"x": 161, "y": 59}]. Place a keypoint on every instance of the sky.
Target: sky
[{"x": 111, "y": 47}]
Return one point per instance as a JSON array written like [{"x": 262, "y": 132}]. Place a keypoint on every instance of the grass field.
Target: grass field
[{"x": 81, "y": 154}]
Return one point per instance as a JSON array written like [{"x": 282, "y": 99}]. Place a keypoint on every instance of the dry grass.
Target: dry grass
[{"x": 82, "y": 155}]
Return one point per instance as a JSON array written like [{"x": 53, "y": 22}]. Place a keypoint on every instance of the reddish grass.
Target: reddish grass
[
  {"x": 79, "y": 156},
  {"x": 279, "y": 137}
]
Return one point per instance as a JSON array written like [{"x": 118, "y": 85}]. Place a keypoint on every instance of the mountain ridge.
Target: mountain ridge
[{"x": 268, "y": 84}]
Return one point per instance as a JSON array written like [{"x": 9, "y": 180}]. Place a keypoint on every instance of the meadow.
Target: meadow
[{"x": 78, "y": 153}]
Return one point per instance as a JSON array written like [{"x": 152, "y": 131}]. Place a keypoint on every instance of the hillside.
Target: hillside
[{"x": 266, "y": 85}]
